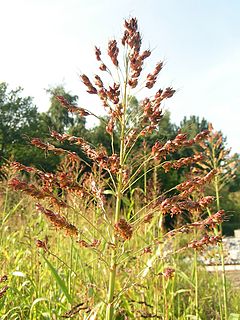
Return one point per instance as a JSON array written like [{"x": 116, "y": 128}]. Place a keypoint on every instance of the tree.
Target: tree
[
  {"x": 61, "y": 119},
  {"x": 18, "y": 117},
  {"x": 193, "y": 125}
]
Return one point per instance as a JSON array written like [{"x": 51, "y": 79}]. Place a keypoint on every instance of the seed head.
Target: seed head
[
  {"x": 123, "y": 229},
  {"x": 98, "y": 53},
  {"x": 3, "y": 278},
  {"x": 113, "y": 51},
  {"x": 58, "y": 221},
  {"x": 42, "y": 244},
  {"x": 168, "y": 273},
  {"x": 3, "y": 291}
]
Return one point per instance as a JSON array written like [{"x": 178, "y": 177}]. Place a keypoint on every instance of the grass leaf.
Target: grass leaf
[{"x": 58, "y": 279}]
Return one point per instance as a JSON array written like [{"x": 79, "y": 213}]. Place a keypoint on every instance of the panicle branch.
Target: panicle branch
[
  {"x": 161, "y": 151},
  {"x": 71, "y": 108},
  {"x": 58, "y": 221}
]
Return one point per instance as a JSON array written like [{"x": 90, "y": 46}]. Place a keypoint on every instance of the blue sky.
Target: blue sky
[{"x": 49, "y": 42}]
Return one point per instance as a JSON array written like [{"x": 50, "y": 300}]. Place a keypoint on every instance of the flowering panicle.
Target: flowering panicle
[
  {"x": 113, "y": 93},
  {"x": 131, "y": 137},
  {"x": 35, "y": 192},
  {"x": 123, "y": 229},
  {"x": 147, "y": 250},
  {"x": 177, "y": 204},
  {"x": 196, "y": 183},
  {"x": 177, "y": 164},
  {"x": 20, "y": 167},
  {"x": 148, "y": 217},
  {"x": 161, "y": 151},
  {"x": 118, "y": 176},
  {"x": 42, "y": 244},
  {"x": 47, "y": 146},
  {"x": 98, "y": 53},
  {"x": 113, "y": 51},
  {"x": 98, "y": 193},
  {"x": 98, "y": 81},
  {"x": 214, "y": 219},
  {"x": 152, "y": 77},
  {"x": 3, "y": 278},
  {"x": 152, "y": 113},
  {"x": 136, "y": 66},
  {"x": 94, "y": 244},
  {"x": 168, "y": 273},
  {"x": 99, "y": 156},
  {"x": 30, "y": 189},
  {"x": 3, "y": 290},
  {"x": 205, "y": 241},
  {"x": 58, "y": 221},
  {"x": 209, "y": 223},
  {"x": 88, "y": 84},
  {"x": 50, "y": 181},
  {"x": 71, "y": 108},
  {"x": 131, "y": 35}
]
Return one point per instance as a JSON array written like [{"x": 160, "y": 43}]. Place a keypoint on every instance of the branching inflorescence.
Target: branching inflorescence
[{"x": 116, "y": 171}]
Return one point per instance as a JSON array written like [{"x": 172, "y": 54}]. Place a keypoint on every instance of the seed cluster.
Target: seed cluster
[
  {"x": 71, "y": 108},
  {"x": 205, "y": 241},
  {"x": 161, "y": 151},
  {"x": 177, "y": 205},
  {"x": 177, "y": 164},
  {"x": 58, "y": 221},
  {"x": 123, "y": 229}
]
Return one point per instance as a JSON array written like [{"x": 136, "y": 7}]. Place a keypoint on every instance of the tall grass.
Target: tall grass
[{"x": 112, "y": 256}]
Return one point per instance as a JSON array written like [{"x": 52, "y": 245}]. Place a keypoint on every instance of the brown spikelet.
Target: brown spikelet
[
  {"x": 98, "y": 53},
  {"x": 113, "y": 52},
  {"x": 94, "y": 244},
  {"x": 42, "y": 244},
  {"x": 168, "y": 273},
  {"x": 3, "y": 291},
  {"x": 103, "y": 67},
  {"x": 88, "y": 84},
  {"x": 205, "y": 241},
  {"x": 123, "y": 229},
  {"x": 71, "y": 108},
  {"x": 152, "y": 77},
  {"x": 58, "y": 221},
  {"x": 3, "y": 278}
]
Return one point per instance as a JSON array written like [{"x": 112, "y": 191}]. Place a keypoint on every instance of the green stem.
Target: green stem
[
  {"x": 224, "y": 286},
  {"x": 113, "y": 266},
  {"x": 119, "y": 194},
  {"x": 145, "y": 174},
  {"x": 196, "y": 285}
]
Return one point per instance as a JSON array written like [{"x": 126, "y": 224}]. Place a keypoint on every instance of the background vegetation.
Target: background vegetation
[{"x": 20, "y": 121}]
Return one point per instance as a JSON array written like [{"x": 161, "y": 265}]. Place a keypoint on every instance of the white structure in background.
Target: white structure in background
[{"x": 231, "y": 247}]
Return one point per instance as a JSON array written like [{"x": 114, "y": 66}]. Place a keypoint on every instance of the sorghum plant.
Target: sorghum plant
[
  {"x": 106, "y": 180},
  {"x": 217, "y": 157}
]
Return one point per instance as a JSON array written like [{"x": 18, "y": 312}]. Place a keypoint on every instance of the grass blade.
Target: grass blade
[{"x": 58, "y": 279}]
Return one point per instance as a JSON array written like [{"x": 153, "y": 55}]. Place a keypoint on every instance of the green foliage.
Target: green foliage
[
  {"x": 18, "y": 118},
  {"x": 193, "y": 125},
  {"x": 35, "y": 291},
  {"x": 60, "y": 118}
]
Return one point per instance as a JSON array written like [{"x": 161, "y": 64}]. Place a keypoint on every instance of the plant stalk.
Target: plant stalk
[{"x": 119, "y": 194}]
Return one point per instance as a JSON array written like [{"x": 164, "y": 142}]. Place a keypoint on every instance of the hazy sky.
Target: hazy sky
[{"x": 50, "y": 42}]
